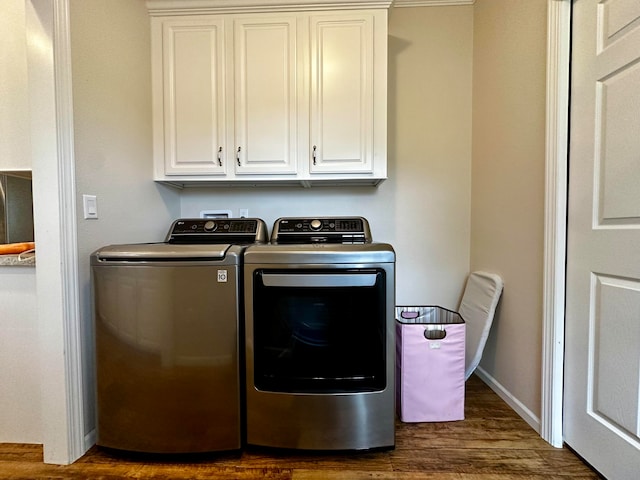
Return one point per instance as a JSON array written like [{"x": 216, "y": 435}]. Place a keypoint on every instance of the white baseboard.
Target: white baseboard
[
  {"x": 526, "y": 414},
  {"x": 89, "y": 440}
]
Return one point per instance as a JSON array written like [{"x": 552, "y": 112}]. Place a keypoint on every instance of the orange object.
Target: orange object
[{"x": 16, "y": 248}]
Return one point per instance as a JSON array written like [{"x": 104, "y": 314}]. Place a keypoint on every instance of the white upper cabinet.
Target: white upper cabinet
[
  {"x": 344, "y": 105},
  {"x": 190, "y": 111},
  {"x": 290, "y": 97},
  {"x": 265, "y": 83}
]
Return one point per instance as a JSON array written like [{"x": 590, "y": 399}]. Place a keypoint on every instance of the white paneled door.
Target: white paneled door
[{"x": 602, "y": 356}]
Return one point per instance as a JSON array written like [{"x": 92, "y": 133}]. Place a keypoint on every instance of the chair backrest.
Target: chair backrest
[{"x": 477, "y": 308}]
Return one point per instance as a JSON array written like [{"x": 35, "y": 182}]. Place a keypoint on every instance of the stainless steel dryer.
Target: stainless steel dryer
[
  {"x": 167, "y": 319},
  {"x": 319, "y": 337}
]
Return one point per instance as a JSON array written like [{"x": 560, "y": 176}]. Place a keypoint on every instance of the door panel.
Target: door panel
[
  {"x": 617, "y": 128},
  {"x": 617, "y": 19},
  {"x": 614, "y": 347},
  {"x": 602, "y": 343},
  {"x": 342, "y": 93},
  {"x": 266, "y": 95},
  {"x": 194, "y": 101}
]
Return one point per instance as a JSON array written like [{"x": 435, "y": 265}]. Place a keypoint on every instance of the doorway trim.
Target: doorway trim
[
  {"x": 57, "y": 289},
  {"x": 556, "y": 187}
]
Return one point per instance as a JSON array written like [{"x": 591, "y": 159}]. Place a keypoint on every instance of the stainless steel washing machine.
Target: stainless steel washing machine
[
  {"x": 167, "y": 323},
  {"x": 320, "y": 337}
]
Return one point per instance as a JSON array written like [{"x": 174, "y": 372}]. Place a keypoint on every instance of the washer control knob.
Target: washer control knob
[
  {"x": 315, "y": 224},
  {"x": 210, "y": 226}
]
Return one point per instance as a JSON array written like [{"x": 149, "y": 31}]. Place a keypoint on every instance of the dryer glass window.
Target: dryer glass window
[{"x": 319, "y": 331}]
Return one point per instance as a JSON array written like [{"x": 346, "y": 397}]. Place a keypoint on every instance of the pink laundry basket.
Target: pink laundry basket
[{"x": 430, "y": 359}]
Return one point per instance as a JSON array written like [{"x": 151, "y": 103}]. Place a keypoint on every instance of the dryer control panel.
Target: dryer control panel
[{"x": 321, "y": 230}]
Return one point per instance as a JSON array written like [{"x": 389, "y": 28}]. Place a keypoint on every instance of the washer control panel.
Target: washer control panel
[
  {"x": 321, "y": 230},
  {"x": 218, "y": 230}
]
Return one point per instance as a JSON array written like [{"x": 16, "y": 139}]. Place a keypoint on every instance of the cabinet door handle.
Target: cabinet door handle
[
  {"x": 238, "y": 157},
  {"x": 314, "y": 154},
  {"x": 220, "y": 156}
]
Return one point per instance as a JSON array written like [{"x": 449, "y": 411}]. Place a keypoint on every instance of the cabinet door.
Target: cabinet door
[
  {"x": 265, "y": 85},
  {"x": 193, "y": 98},
  {"x": 342, "y": 93}
]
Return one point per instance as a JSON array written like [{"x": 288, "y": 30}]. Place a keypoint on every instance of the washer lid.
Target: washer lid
[{"x": 162, "y": 252}]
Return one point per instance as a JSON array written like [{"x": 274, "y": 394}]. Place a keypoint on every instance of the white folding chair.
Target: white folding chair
[{"x": 477, "y": 308}]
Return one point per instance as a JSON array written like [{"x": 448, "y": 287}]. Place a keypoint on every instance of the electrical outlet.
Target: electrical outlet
[{"x": 244, "y": 213}]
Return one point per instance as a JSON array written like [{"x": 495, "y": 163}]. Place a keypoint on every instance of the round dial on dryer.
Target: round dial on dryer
[
  {"x": 315, "y": 224},
  {"x": 210, "y": 226}
]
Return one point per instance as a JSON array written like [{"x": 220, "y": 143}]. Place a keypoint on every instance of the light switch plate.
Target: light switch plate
[{"x": 90, "y": 204}]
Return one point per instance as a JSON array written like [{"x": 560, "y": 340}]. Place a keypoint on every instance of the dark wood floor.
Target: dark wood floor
[{"x": 491, "y": 443}]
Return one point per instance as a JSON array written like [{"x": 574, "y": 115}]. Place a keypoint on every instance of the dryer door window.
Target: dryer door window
[{"x": 319, "y": 331}]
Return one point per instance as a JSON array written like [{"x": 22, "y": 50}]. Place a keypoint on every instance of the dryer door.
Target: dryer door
[{"x": 319, "y": 330}]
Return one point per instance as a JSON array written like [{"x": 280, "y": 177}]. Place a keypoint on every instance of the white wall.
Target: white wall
[
  {"x": 111, "y": 66},
  {"x": 507, "y": 214},
  {"x": 14, "y": 112},
  {"x": 423, "y": 209},
  {"x": 20, "y": 419}
]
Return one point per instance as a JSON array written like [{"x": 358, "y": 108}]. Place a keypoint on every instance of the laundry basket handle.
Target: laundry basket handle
[{"x": 435, "y": 332}]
